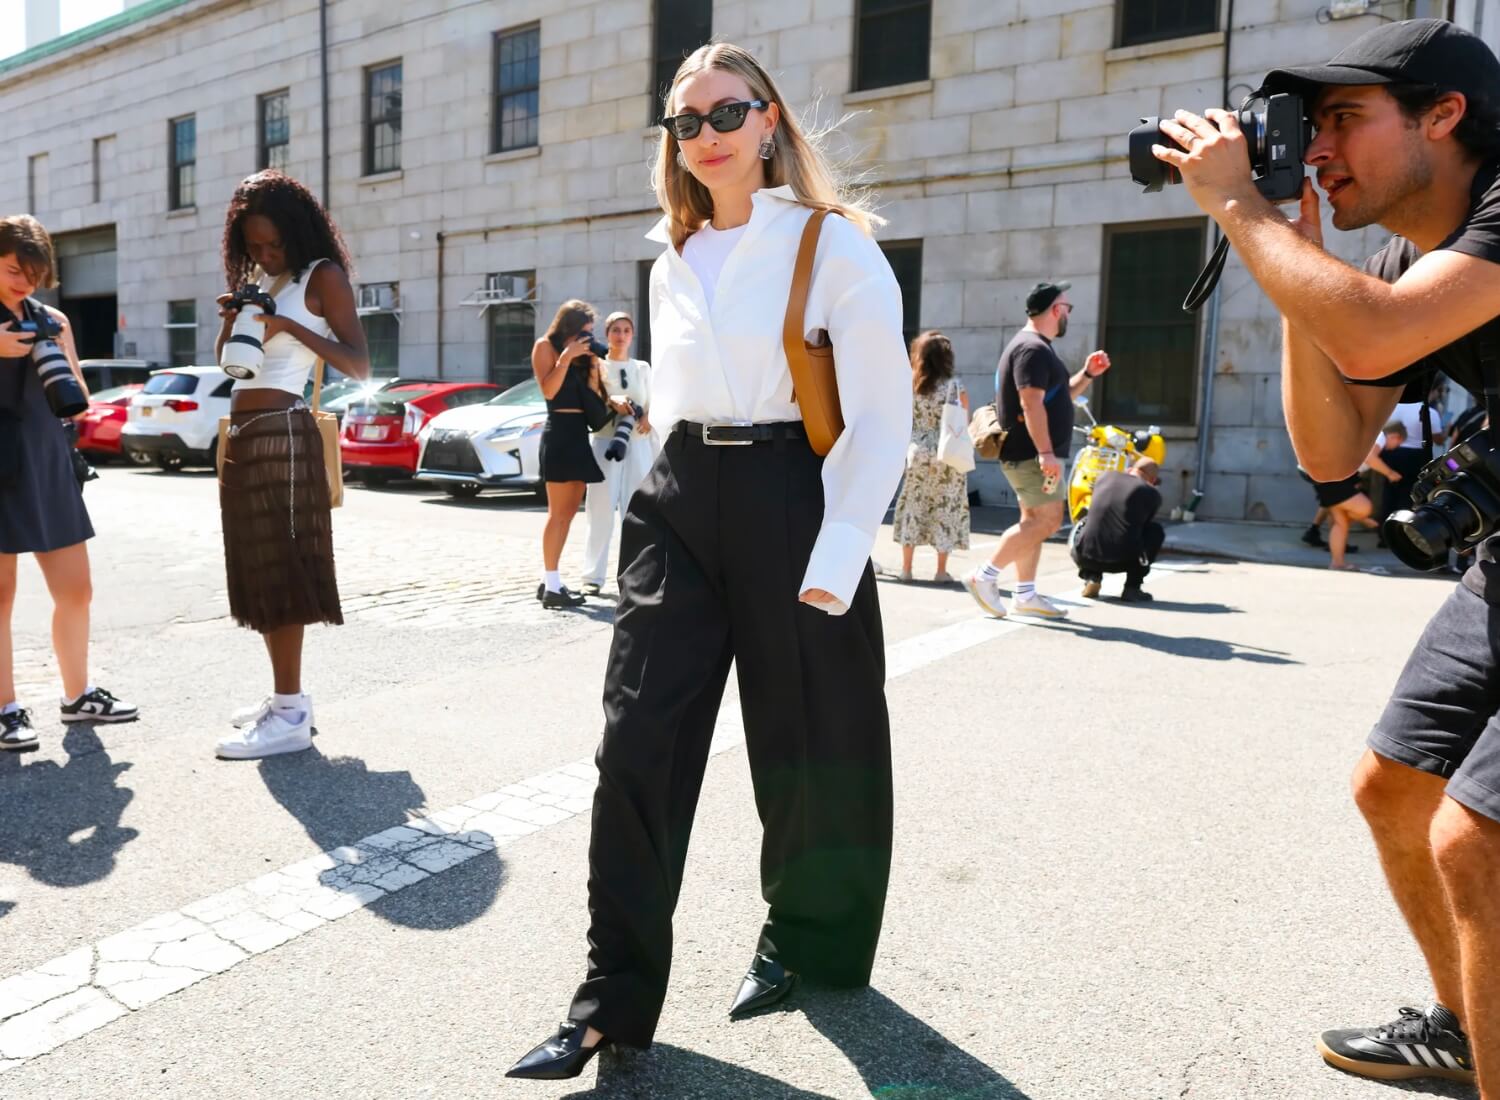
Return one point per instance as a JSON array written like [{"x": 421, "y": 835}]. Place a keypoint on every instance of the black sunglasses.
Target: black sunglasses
[{"x": 725, "y": 119}]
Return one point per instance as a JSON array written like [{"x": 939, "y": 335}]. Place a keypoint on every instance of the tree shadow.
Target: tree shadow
[
  {"x": 338, "y": 800},
  {"x": 63, "y": 820},
  {"x": 1203, "y": 649}
]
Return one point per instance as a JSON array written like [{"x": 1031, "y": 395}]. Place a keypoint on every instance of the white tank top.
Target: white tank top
[{"x": 289, "y": 361}]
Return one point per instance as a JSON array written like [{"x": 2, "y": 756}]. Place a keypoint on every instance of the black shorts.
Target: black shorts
[
  {"x": 1442, "y": 717},
  {"x": 1331, "y": 493}
]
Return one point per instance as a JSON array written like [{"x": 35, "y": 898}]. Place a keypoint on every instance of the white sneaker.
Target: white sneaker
[
  {"x": 248, "y": 716},
  {"x": 1037, "y": 607},
  {"x": 986, "y": 594},
  {"x": 271, "y": 736}
]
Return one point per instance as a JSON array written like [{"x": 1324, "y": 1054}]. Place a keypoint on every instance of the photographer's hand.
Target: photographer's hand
[
  {"x": 1214, "y": 160},
  {"x": 1309, "y": 220},
  {"x": 14, "y": 344}
]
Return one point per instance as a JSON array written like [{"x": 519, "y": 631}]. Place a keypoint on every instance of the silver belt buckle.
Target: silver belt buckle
[{"x": 727, "y": 442}]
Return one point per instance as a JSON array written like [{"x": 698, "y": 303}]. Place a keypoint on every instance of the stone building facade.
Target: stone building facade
[{"x": 487, "y": 160}]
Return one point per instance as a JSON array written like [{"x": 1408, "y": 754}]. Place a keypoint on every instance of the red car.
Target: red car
[
  {"x": 99, "y": 430},
  {"x": 379, "y": 439}
]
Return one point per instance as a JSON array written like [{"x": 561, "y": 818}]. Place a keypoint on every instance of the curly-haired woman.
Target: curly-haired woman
[
  {"x": 41, "y": 508},
  {"x": 273, "y": 492}
]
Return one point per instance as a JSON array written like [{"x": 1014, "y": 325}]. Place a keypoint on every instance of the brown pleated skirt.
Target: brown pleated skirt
[{"x": 278, "y": 528}]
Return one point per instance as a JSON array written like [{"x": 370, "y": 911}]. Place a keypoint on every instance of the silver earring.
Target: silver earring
[
  {"x": 767, "y": 147},
  {"x": 681, "y": 162}
]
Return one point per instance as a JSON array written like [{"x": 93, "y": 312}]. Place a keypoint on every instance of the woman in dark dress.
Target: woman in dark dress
[
  {"x": 41, "y": 503},
  {"x": 571, "y": 382}
]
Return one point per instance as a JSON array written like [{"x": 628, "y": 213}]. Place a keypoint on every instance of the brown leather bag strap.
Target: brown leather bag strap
[
  {"x": 317, "y": 394},
  {"x": 793, "y": 336}
]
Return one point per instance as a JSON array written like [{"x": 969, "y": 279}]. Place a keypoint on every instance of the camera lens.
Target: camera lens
[
  {"x": 1421, "y": 537},
  {"x": 1145, "y": 169}
]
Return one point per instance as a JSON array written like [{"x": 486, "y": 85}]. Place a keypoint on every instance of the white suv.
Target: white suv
[{"x": 174, "y": 420}]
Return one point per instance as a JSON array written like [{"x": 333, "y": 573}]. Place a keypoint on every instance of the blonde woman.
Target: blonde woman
[{"x": 744, "y": 545}]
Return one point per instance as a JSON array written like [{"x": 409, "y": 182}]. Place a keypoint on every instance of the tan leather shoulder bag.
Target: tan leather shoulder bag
[{"x": 815, "y": 384}]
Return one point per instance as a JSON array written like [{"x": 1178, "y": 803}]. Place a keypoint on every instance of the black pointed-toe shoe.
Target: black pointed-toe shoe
[
  {"x": 560, "y": 1057},
  {"x": 767, "y": 983}
]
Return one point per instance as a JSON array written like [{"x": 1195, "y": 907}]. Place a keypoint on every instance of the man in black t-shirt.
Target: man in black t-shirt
[
  {"x": 1120, "y": 533},
  {"x": 1408, "y": 137},
  {"x": 1034, "y": 397}
]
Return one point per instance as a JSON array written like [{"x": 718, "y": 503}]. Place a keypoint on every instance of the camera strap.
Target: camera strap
[
  {"x": 1489, "y": 370},
  {"x": 1208, "y": 278}
]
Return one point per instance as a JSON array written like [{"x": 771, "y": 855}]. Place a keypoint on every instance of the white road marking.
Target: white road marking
[{"x": 82, "y": 991}]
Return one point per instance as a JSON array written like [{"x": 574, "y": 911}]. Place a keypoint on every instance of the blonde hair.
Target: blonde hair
[{"x": 798, "y": 159}]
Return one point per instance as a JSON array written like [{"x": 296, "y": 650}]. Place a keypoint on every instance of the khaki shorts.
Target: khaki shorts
[{"x": 1026, "y": 481}]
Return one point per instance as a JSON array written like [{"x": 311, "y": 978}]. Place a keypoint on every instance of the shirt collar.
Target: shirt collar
[{"x": 661, "y": 234}]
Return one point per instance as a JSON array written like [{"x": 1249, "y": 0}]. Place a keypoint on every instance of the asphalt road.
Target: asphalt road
[{"x": 1126, "y": 864}]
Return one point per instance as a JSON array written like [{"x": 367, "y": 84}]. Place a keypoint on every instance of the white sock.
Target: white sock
[
  {"x": 69, "y": 702},
  {"x": 289, "y": 707},
  {"x": 989, "y": 572},
  {"x": 553, "y": 580},
  {"x": 1025, "y": 590}
]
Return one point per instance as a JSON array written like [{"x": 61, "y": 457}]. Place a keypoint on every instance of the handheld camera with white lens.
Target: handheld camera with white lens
[
  {"x": 65, "y": 397},
  {"x": 244, "y": 354}
]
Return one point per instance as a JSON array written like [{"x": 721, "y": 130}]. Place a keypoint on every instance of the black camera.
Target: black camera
[
  {"x": 598, "y": 350},
  {"x": 244, "y": 352},
  {"x": 64, "y": 395},
  {"x": 1278, "y": 135},
  {"x": 1459, "y": 495}
]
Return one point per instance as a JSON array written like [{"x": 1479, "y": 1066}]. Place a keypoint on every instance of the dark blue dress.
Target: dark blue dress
[{"x": 44, "y": 511}]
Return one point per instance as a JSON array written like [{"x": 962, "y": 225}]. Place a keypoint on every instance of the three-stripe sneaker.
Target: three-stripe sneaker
[
  {"x": 98, "y": 705},
  {"x": 1420, "y": 1044}
]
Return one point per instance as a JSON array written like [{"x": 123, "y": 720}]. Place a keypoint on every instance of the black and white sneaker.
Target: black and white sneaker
[
  {"x": 1420, "y": 1044},
  {"x": 16, "y": 734},
  {"x": 98, "y": 705}
]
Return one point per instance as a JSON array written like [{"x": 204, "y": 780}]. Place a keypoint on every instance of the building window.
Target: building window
[
  {"x": 643, "y": 309},
  {"x": 905, "y": 258},
  {"x": 275, "y": 131},
  {"x": 36, "y": 182},
  {"x": 184, "y": 162},
  {"x": 512, "y": 326},
  {"x": 182, "y": 332},
  {"x": 892, "y": 42},
  {"x": 517, "y": 77},
  {"x": 1147, "y": 272},
  {"x": 383, "y": 118},
  {"x": 379, "y": 309},
  {"x": 681, "y": 27},
  {"x": 104, "y": 162},
  {"x": 1139, "y": 21}
]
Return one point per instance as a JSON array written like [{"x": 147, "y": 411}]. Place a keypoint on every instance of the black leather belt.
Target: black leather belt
[{"x": 741, "y": 435}]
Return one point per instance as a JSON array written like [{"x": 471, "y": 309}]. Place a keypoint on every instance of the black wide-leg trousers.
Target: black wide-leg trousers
[{"x": 714, "y": 548}]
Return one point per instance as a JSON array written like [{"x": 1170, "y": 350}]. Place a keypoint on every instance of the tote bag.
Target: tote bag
[{"x": 954, "y": 445}]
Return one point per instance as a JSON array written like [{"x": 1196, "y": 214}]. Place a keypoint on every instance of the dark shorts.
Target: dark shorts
[
  {"x": 1442, "y": 717},
  {"x": 1331, "y": 493}
]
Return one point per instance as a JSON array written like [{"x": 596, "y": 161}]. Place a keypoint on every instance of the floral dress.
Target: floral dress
[{"x": 933, "y": 508}]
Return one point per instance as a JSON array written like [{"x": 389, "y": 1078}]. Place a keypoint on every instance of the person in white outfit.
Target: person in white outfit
[{"x": 624, "y": 449}]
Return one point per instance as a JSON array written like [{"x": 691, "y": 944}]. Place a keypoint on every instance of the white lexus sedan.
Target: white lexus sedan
[{"x": 490, "y": 446}]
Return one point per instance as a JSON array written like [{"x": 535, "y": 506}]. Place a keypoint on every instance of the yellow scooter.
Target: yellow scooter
[{"x": 1106, "y": 448}]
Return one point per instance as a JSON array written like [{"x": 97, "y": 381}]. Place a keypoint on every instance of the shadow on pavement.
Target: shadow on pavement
[
  {"x": 339, "y": 801},
  {"x": 897, "y": 1055},
  {"x": 63, "y": 820},
  {"x": 666, "y": 1070},
  {"x": 1203, "y": 649},
  {"x": 1173, "y": 606}
]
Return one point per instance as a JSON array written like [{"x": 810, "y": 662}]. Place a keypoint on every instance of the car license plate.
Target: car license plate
[
  {"x": 146, "y": 410},
  {"x": 372, "y": 431}
]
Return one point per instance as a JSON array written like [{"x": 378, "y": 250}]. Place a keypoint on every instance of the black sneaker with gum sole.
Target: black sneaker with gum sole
[{"x": 1420, "y": 1044}]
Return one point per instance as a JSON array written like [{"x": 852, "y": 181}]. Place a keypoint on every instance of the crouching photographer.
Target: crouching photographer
[
  {"x": 1405, "y": 133},
  {"x": 41, "y": 506}
]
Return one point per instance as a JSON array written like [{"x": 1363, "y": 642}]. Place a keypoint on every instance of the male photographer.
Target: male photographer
[
  {"x": 1034, "y": 399},
  {"x": 1120, "y": 533},
  {"x": 1407, "y": 135}
]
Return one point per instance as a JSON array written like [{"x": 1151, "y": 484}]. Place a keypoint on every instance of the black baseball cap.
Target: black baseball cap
[
  {"x": 1042, "y": 296},
  {"x": 1415, "y": 51}
]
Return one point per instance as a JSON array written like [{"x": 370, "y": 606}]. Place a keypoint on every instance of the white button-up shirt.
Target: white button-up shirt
[{"x": 728, "y": 364}]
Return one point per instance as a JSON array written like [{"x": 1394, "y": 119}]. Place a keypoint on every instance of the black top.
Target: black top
[
  {"x": 1029, "y": 360},
  {"x": 1122, "y": 505},
  {"x": 1477, "y": 235},
  {"x": 570, "y": 395}
]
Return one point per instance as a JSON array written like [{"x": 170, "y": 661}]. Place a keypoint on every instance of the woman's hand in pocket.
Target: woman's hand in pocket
[{"x": 818, "y": 596}]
